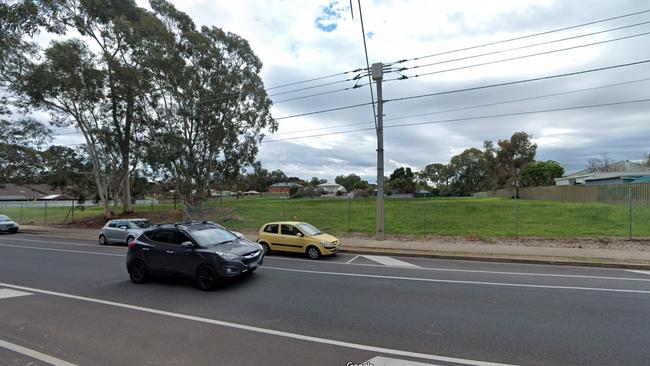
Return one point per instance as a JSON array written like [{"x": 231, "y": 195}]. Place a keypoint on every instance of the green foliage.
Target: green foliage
[
  {"x": 351, "y": 182},
  {"x": 402, "y": 180},
  {"x": 541, "y": 173}
]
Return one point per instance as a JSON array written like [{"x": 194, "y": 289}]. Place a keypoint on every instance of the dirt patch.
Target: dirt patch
[
  {"x": 98, "y": 221},
  {"x": 615, "y": 243}
]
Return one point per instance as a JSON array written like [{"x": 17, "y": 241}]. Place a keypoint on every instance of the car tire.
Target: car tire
[
  {"x": 102, "y": 240},
  {"x": 266, "y": 248},
  {"x": 207, "y": 277},
  {"x": 138, "y": 271},
  {"x": 313, "y": 252}
]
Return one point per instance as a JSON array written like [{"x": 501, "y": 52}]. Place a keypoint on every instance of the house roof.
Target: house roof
[
  {"x": 626, "y": 174},
  {"x": 13, "y": 198},
  {"x": 644, "y": 179},
  {"x": 619, "y": 167},
  {"x": 29, "y": 191},
  {"x": 285, "y": 184}
]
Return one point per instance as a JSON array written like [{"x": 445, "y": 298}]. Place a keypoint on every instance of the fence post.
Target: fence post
[
  {"x": 21, "y": 212},
  {"x": 283, "y": 209},
  {"x": 45, "y": 213},
  {"x": 629, "y": 215},
  {"x": 349, "y": 212},
  {"x": 72, "y": 220},
  {"x": 516, "y": 184}
]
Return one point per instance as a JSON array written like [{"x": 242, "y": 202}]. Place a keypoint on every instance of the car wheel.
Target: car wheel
[
  {"x": 102, "y": 240},
  {"x": 206, "y": 278},
  {"x": 138, "y": 271},
  {"x": 313, "y": 252},
  {"x": 266, "y": 248}
]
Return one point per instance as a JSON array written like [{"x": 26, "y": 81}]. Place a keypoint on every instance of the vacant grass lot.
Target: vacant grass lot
[{"x": 478, "y": 217}]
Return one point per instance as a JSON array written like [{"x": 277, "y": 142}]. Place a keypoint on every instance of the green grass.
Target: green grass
[{"x": 479, "y": 218}]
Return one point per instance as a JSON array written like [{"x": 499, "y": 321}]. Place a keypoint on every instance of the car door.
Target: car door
[
  {"x": 111, "y": 231},
  {"x": 156, "y": 254},
  {"x": 122, "y": 231},
  {"x": 289, "y": 239},
  {"x": 182, "y": 261}
]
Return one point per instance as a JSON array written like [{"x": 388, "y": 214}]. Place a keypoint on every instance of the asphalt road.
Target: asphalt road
[{"x": 68, "y": 301}]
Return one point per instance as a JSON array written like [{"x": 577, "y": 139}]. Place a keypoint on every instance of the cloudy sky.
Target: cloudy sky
[{"x": 301, "y": 40}]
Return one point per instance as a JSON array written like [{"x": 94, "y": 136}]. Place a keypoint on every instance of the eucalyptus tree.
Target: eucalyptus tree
[{"x": 208, "y": 106}]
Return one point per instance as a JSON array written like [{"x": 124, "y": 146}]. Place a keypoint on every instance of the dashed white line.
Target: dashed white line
[
  {"x": 301, "y": 337},
  {"x": 34, "y": 354},
  {"x": 385, "y": 361},
  {"x": 389, "y": 261}
]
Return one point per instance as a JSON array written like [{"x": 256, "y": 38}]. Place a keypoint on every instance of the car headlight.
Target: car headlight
[
  {"x": 228, "y": 256},
  {"x": 326, "y": 244}
]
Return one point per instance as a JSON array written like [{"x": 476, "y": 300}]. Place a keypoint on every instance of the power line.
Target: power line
[
  {"x": 365, "y": 49},
  {"x": 317, "y": 86},
  {"x": 525, "y": 46},
  {"x": 470, "y": 118},
  {"x": 316, "y": 79},
  {"x": 484, "y": 63},
  {"x": 472, "y": 106},
  {"x": 519, "y": 81},
  {"x": 525, "y": 37},
  {"x": 530, "y": 55},
  {"x": 467, "y": 89}
]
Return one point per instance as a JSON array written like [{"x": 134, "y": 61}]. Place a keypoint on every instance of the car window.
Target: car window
[
  {"x": 309, "y": 229},
  {"x": 162, "y": 236},
  {"x": 179, "y": 238},
  {"x": 212, "y": 236},
  {"x": 140, "y": 224},
  {"x": 4, "y": 218},
  {"x": 112, "y": 224},
  {"x": 289, "y": 230},
  {"x": 272, "y": 228},
  {"x": 123, "y": 223}
]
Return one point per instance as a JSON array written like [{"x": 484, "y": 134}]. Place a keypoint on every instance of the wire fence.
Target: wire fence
[{"x": 621, "y": 211}]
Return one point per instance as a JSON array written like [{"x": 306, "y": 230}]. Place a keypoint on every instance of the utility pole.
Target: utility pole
[{"x": 377, "y": 76}]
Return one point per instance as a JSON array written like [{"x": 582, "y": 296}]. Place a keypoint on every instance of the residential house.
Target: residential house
[
  {"x": 621, "y": 172},
  {"x": 332, "y": 188},
  {"x": 30, "y": 192},
  {"x": 283, "y": 187}
]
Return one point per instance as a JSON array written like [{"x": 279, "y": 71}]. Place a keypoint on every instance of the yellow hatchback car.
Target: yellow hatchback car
[{"x": 297, "y": 237}]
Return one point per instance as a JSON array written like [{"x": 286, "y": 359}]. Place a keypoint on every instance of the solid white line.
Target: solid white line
[
  {"x": 642, "y": 272},
  {"x": 34, "y": 354},
  {"x": 351, "y": 260},
  {"x": 62, "y": 250},
  {"x": 67, "y": 243},
  {"x": 250, "y": 328},
  {"x": 458, "y": 281},
  {"x": 389, "y": 261},
  {"x": 385, "y": 361},
  {"x": 6, "y": 293}
]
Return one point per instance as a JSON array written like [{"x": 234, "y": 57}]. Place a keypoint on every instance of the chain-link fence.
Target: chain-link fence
[{"x": 605, "y": 211}]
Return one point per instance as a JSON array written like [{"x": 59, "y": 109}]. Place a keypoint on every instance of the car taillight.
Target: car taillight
[{"x": 132, "y": 244}]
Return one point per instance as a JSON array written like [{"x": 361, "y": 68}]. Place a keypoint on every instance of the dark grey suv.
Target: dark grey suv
[{"x": 203, "y": 251}]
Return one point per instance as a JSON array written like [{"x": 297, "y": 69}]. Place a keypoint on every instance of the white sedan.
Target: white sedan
[{"x": 8, "y": 225}]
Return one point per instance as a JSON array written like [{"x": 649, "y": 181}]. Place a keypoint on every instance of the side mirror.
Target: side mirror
[
  {"x": 187, "y": 245},
  {"x": 299, "y": 234},
  {"x": 123, "y": 227}
]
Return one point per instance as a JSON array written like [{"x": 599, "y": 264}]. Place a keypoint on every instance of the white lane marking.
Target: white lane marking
[
  {"x": 61, "y": 250},
  {"x": 459, "y": 281},
  {"x": 385, "y": 361},
  {"x": 642, "y": 272},
  {"x": 352, "y": 260},
  {"x": 251, "y": 328},
  {"x": 34, "y": 354},
  {"x": 6, "y": 293},
  {"x": 389, "y": 261},
  {"x": 67, "y": 243},
  {"x": 373, "y": 265}
]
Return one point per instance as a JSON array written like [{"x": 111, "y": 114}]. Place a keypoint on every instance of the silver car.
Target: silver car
[
  {"x": 7, "y": 224},
  {"x": 123, "y": 231}
]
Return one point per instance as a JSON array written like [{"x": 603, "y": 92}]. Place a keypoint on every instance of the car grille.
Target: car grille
[{"x": 251, "y": 257}]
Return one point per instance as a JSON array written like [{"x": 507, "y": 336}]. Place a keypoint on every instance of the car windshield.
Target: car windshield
[
  {"x": 141, "y": 224},
  {"x": 309, "y": 229},
  {"x": 213, "y": 236},
  {"x": 4, "y": 218}
]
